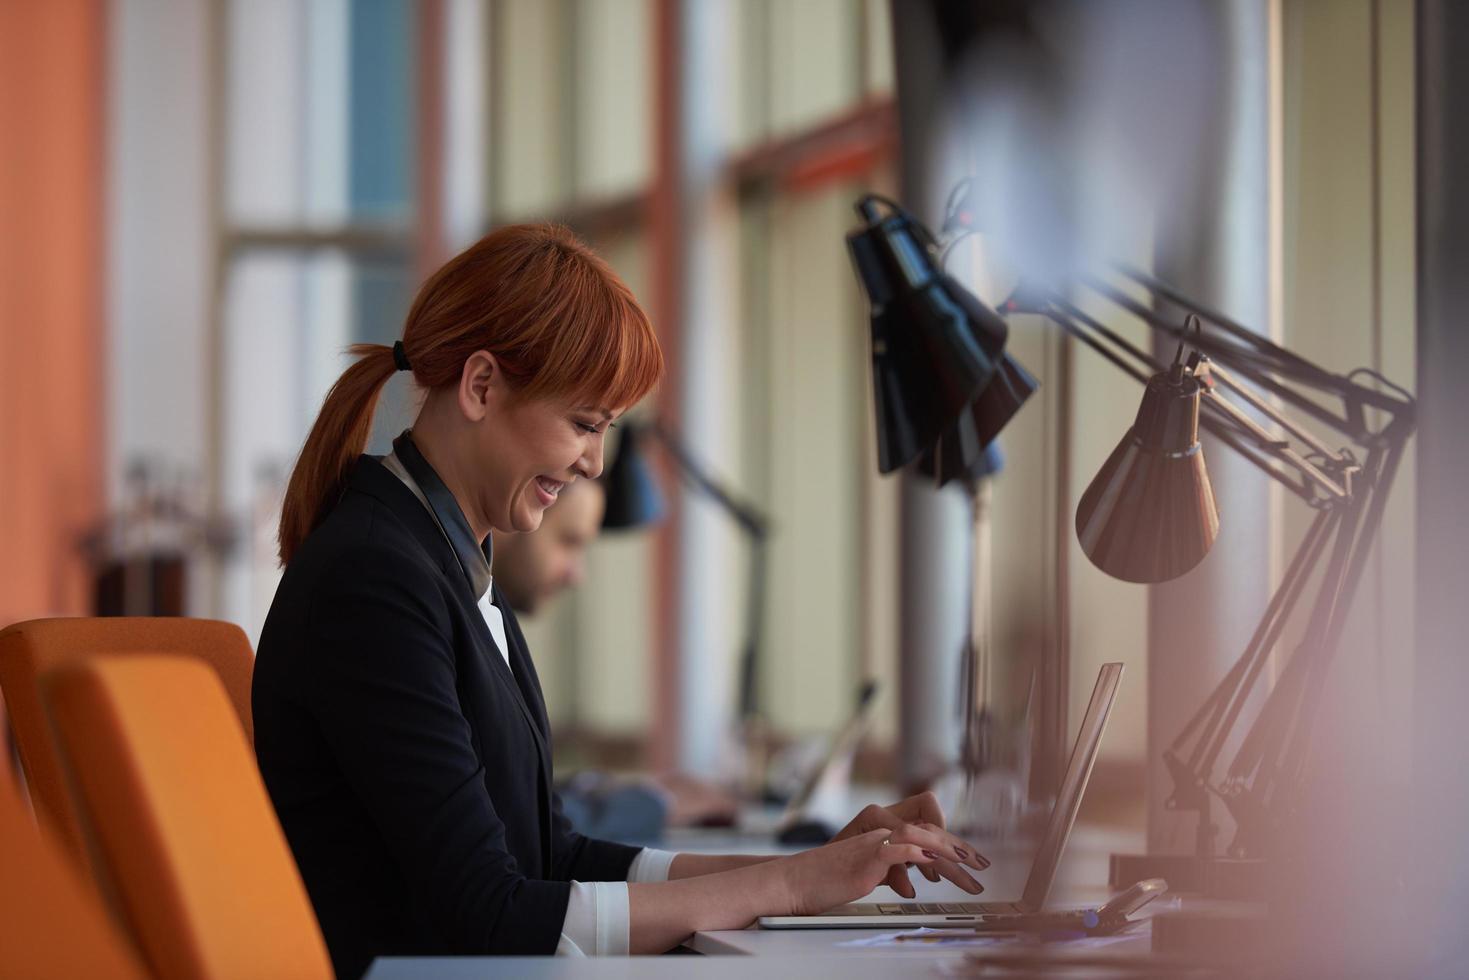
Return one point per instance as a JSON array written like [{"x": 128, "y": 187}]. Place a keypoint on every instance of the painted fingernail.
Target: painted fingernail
[{"x": 930, "y": 855}]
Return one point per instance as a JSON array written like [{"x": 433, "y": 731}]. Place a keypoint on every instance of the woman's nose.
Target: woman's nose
[{"x": 590, "y": 464}]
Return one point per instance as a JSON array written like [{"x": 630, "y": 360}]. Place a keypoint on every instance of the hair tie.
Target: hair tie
[{"x": 400, "y": 356}]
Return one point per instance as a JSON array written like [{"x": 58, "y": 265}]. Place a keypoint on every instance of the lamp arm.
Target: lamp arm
[
  {"x": 1282, "y": 449},
  {"x": 750, "y": 519},
  {"x": 1278, "y": 755},
  {"x": 1269, "y": 411},
  {"x": 756, "y": 525},
  {"x": 1267, "y": 634},
  {"x": 1220, "y": 418},
  {"x": 1268, "y": 366}
]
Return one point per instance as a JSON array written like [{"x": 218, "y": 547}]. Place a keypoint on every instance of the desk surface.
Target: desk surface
[{"x": 641, "y": 968}]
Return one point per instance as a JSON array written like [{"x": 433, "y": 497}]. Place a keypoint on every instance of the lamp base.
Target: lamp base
[{"x": 1232, "y": 878}]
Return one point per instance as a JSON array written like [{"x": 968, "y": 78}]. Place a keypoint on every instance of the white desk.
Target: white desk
[{"x": 644, "y": 968}]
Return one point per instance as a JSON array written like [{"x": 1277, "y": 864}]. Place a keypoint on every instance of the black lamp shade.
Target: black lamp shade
[
  {"x": 964, "y": 450},
  {"x": 1149, "y": 515},
  {"x": 941, "y": 464},
  {"x": 633, "y": 497},
  {"x": 934, "y": 346}
]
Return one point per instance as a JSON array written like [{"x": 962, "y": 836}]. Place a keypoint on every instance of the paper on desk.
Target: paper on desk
[{"x": 925, "y": 938}]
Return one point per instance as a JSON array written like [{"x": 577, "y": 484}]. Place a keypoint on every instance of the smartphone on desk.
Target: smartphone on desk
[
  {"x": 1110, "y": 918},
  {"x": 1113, "y": 915}
]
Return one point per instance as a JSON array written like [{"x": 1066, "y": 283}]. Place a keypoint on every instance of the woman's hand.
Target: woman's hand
[
  {"x": 920, "y": 819},
  {"x": 845, "y": 870}
]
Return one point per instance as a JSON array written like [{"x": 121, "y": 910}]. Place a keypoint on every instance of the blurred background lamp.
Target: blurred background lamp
[
  {"x": 633, "y": 498},
  {"x": 935, "y": 348},
  {"x": 1149, "y": 515}
]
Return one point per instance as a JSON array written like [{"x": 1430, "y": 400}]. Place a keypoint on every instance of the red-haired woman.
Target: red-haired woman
[{"x": 399, "y": 723}]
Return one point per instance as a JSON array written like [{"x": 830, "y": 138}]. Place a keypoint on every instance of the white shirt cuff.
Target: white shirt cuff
[
  {"x": 650, "y": 865},
  {"x": 596, "y": 922}
]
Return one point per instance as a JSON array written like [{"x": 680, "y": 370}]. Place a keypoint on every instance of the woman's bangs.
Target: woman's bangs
[{"x": 605, "y": 352}]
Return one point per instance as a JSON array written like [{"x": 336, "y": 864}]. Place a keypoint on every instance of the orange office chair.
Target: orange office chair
[
  {"x": 51, "y": 926},
  {"x": 170, "y": 789},
  {"x": 29, "y": 650}
]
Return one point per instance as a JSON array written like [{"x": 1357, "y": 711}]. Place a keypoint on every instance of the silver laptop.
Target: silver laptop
[{"x": 1042, "y": 870}]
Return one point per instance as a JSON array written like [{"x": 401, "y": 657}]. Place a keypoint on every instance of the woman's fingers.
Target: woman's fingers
[
  {"x": 897, "y": 855},
  {"x": 931, "y": 838},
  {"x": 945, "y": 855},
  {"x": 897, "y": 880},
  {"x": 939, "y": 854},
  {"x": 955, "y": 873},
  {"x": 957, "y": 848},
  {"x": 921, "y": 808},
  {"x": 893, "y": 853}
]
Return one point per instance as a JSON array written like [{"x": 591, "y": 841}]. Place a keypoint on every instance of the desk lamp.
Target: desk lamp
[
  {"x": 1149, "y": 515},
  {"x": 633, "y": 498},
  {"x": 941, "y": 380}
]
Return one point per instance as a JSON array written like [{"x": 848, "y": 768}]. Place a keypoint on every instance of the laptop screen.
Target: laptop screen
[{"x": 1073, "y": 785}]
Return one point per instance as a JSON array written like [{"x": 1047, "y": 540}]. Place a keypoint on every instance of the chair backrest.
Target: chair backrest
[
  {"x": 201, "y": 868},
  {"x": 51, "y": 926},
  {"x": 29, "y": 650}
]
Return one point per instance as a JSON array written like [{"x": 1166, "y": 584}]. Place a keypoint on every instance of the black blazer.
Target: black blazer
[{"x": 410, "y": 768}]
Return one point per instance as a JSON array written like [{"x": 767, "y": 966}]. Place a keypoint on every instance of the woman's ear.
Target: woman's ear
[{"x": 481, "y": 385}]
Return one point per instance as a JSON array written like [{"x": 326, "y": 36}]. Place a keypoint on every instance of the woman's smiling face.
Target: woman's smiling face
[
  {"x": 536, "y": 448},
  {"x": 544, "y": 445},
  {"x": 506, "y": 457}
]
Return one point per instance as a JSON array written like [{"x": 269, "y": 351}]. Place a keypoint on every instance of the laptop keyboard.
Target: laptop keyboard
[{"x": 946, "y": 908}]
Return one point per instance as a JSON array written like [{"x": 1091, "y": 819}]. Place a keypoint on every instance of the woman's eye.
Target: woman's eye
[{"x": 587, "y": 428}]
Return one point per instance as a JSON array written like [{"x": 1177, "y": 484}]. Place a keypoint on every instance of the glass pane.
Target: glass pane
[
  {"x": 530, "y": 141},
  {"x": 878, "y": 32},
  {"x": 320, "y": 120},
  {"x": 382, "y": 97},
  {"x": 288, "y": 318},
  {"x": 265, "y": 111},
  {"x": 382, "y": 292},
  {"x": 814, "y": 61},
  {"x": 815, "y": 462},
  {"x": 614, "y": 96}
]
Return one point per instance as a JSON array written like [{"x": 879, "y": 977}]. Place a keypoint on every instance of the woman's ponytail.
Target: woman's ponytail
[{"x": 336, "y": 440}]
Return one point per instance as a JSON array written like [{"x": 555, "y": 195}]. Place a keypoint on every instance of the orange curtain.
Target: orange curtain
[{"x": 52, "y": 396}]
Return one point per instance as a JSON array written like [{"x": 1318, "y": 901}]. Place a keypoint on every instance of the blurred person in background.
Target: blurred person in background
[
  {"x": 399, "y": 723},
  {"x": 531, "y": 570}
]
